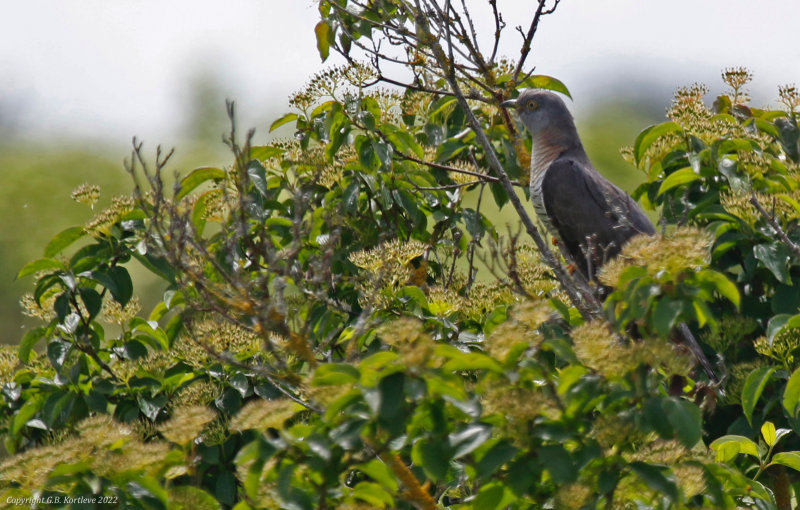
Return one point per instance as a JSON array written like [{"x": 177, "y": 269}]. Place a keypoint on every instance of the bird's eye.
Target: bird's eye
[{"x": 532, "y": 105}]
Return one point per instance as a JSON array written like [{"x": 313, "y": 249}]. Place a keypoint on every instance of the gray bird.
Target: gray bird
[{"x": 590, "y": 217}]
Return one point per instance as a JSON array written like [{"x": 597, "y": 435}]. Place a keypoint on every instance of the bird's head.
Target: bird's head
[{"x": 544, "y": 113}]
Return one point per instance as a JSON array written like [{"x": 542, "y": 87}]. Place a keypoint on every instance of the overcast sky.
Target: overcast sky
[{"x": 114, "y": 68}]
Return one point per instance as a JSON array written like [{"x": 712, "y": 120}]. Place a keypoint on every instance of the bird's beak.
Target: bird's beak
[{"x": 511, "y": 103}]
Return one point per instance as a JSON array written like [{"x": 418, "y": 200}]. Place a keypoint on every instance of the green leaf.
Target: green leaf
[
  {"x": 62, "y": 240},
  {"x": 468, "y": 439},
  {"x": 25, "y": 413},
  {"x": 92, "y": 300},
  {"x": 466, "y": 360},
  {"x": 665, "y": 315},
  {"x": 728, "y": 447},
  {"x": 789, "y": 459},
  {"x": 324, "y": 35},
  {"x": 753, "y": 387},
  {"x": 495, "y": 458},
  {"x": 677, "y": 178},
  {"x": 124, "y": 284},
  {"x": 334, "y": 374},
  {"x": 685, "y": 418},
  {"x": 200, "y": 499},
  {"x": 493, "y": 496},
  {"x": 281, "y": 121},
  {"x": 197, "y": 177},
  {"x": 380, "y": 472},
  {"x": 791, "y": 395},
  {"x": 39, "y": 265},
  {"x": 28, "y": 342},
  {"x": 540, "y": 81},
  {"x": 774, "y": 256},
  {"x": 433, "y": 456},
  {"x": 559, "y": 463},
  {"x": 647, "y": 137},
  {"x": 264, "y": 152},
  {"x": 375, "y": 495},
  {"x": 150, "y": 407},
  {"x": 768, "y": 433},
  {"x": 658, "y": 478},
  {"x": 722, "y": 284}
]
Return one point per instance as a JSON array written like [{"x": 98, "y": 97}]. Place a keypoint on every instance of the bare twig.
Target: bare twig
[
  {"x": 775, "y": 226},
  {"x": 528, "y": 37}
]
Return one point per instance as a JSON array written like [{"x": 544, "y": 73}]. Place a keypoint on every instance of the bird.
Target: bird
[{"x": 588, "y": 216}]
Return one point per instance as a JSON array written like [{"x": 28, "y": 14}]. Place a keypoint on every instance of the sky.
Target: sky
[{"x": 111, "y": 69}]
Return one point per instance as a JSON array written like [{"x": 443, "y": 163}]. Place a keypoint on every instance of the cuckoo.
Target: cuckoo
[{"x": 589, "y": 217}]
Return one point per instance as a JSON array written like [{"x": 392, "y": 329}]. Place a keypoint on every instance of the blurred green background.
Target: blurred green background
[{"x": 39, "y": 176}]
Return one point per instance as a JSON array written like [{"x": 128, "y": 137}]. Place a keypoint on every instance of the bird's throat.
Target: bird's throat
[{"x": 545, "y": 151}]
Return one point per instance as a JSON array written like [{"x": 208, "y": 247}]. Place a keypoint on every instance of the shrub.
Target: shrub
[{"x": 329, "y": 337}]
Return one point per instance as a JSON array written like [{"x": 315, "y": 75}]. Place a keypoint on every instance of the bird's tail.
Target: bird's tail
[{"x": 684, "y": 335}]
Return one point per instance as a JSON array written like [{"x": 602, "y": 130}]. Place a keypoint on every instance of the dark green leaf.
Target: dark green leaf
[
  {"x": 753, "y": 387},
  {"x": 39, "y": 265},
  {"x": 197, "y": 177},
  {"x": 539, "y": 81},
  {"x": 225, "y": 488},
  {"x": 790, "y": 459},
  {"x": 647, "y": 137},
  {"x": 265, "y": 152},
  {"x": 150, "y": 407},
  {"x": 791, "y": 395},
  {"x": 665, "y": 315},
  {"x": 433, "y": 456},
  {"x": 678, "y": 178},
  {"x": 281, "y": 121},
  {"x": 774, "y": 256},
  {"x": 57, "y": 351},
  {"x": 685, "y": 418},
  {"x": 334, "y": 374},
  {"x": 92, "y": 300},
  {"x": 559, "y": 463},
  {"x": 62, "y": 240},
  {"x": 28, "y": 342},
  {"x": 657, "y": 478},
  {"x": 492, "y": 460}
]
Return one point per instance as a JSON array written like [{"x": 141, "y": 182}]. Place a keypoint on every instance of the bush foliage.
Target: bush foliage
[{"x": 340, "y": 329}]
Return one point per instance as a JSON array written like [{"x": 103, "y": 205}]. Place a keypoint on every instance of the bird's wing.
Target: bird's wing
[{"x": 583, "y": 204}]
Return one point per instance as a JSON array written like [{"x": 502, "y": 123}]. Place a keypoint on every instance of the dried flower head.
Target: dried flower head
[
  {"x": 627, "y": 154},
  {"x": 790, "y": 97},
  {"x": 200, "y": 393},
  {"x": 520, "y": 328},
  {"x": 8, "y": 363},
  {"x": 519, "y": 406},
  {"x": 485, "y": 297},
  {"x": 102, "y": 431},
  {"x": 394, "y": 251},
  {"x": 407, "y": 337},
  {"x": 186, "y": 424},
  {"x": 261, "y": 414},
  {"x": 686, "y": 249},
  {"x": 101, "y": 224},
  {"x": 115, "y": 313},
  {"x": 598, "y": 348},
  {"x": 86, "y": 194},
  {"x": 360, "y": 74},
  {"x": 736, "y": 78},
  {"x": 443, "y": 301},
  {"x": 782, "y": 346},
  {"x": 45, "y": 312}
]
